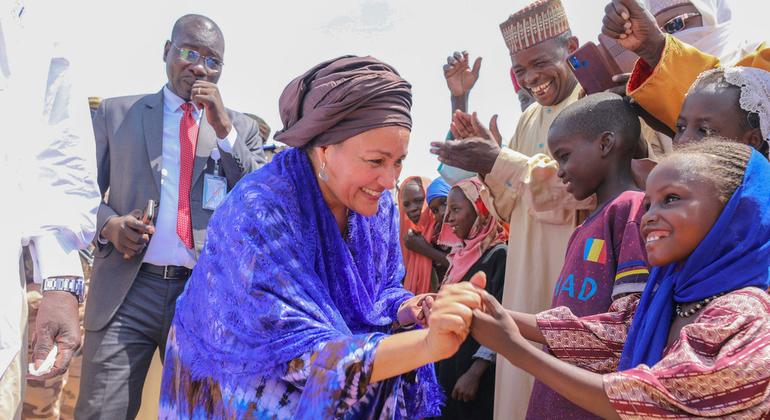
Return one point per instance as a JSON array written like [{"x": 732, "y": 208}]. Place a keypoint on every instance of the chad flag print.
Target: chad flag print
[{"x": 595, "y": 251}]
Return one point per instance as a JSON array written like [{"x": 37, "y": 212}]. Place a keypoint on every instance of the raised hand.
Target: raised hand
[
  {"x": 206, "y": 95},
  {"x": 635, "y": 29},
  {"x": 460, "y": 77}
]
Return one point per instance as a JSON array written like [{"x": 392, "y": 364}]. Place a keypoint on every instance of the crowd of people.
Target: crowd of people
[{"x": 611, "y": 260}]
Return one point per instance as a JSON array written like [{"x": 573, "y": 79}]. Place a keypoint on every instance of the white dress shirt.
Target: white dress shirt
[
  {"x": 165, "y": 247},
  {"x": 47, "y": 163}
]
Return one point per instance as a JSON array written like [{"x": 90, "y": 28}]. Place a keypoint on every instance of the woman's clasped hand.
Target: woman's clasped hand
[
  {"x": 466, "y": 308},
  {"x": 451, "y": 315},
  {"x": 416, "y": 310}
]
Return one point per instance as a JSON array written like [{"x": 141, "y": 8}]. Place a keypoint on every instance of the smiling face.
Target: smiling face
[
  {"x": 413, "y": 199},
  {"x": 543, "y": 70},
  {"x": 682, "y": 206},
  {"x": 199, "y": 34},
  {"x": 579, "y": 159},
  {"x": 715, "y": 111},
  {"x": 460, "y": 213},
  {"x": 361, "y": 168},
  {"x": 437, "y": 206}
]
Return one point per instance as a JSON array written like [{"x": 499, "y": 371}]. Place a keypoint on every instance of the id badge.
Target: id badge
[{"x": 214, "y": 191}]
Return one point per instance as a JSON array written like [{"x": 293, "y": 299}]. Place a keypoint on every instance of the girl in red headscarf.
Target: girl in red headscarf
[{"x": 417, "y": 225}]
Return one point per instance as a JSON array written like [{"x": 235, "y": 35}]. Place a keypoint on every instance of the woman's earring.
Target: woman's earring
[{"x": 322, "y": 173}]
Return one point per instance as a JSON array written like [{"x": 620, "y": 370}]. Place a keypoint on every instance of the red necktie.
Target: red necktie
[{"x": 188, "y": 138}]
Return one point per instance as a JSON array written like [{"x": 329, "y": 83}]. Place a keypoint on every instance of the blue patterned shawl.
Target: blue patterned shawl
[
  {"x": 733, "y": 255},
  {"x": 276, "y": 279}
]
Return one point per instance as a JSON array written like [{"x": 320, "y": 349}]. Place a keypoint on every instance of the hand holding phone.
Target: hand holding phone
[
  {"x": 148, "y": 218},
  {"x": 591, "y": 69},
  {"x": 149, "y": 212}
]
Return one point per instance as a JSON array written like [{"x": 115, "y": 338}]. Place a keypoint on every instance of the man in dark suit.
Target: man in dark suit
[{"x": 183, "y": 149}]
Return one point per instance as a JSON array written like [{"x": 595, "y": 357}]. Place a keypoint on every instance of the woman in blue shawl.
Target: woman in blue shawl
[
  {"x": 697, "y": 343},
  {"x": 293, "y": 307}
]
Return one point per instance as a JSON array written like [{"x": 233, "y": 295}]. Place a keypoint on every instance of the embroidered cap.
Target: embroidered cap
[{"x": 536, "y": 23}]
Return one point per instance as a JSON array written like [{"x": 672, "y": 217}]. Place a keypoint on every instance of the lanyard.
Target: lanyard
[{"x": 215, "y": 156}]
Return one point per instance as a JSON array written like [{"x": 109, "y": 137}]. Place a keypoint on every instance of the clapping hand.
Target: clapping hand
[
  {"x": 476, "y": 154},
  {"x": 465, "y": 125}
]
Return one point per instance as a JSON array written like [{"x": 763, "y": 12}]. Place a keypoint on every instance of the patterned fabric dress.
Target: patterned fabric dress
[
  {"x": 282, "y": 315},
  {"x": 719, "y": 366},
  {"x": 343, "y": 366}
]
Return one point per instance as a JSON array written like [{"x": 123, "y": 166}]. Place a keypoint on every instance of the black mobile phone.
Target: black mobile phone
[{"x": 148, "y": 217}]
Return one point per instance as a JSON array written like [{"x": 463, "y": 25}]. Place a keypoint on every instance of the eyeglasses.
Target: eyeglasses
[
  {"x": 192, "y": 57},
  {"x": 677, "y": 23}
]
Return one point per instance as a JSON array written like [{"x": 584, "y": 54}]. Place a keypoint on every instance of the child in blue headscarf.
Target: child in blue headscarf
[
  {"x": 436, "y": 196},
  {"x": 697, "y": 342}
]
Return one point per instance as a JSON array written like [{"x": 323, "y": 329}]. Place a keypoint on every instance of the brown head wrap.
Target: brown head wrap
[{"x": 341, "y": 98}]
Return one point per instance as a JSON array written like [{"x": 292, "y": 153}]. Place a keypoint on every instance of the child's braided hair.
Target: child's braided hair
[{"x": 719, "y": 160}]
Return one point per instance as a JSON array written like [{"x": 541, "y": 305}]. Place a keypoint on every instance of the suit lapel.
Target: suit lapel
[
  {"x": 152, "y": 122},
  {"x": 207, "y": 141}
]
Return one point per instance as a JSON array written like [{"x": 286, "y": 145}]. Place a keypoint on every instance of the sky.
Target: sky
[{"x": 268, "y": 43}]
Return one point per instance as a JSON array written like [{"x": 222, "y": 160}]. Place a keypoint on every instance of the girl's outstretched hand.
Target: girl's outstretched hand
[{"x": 493, "y": 328}]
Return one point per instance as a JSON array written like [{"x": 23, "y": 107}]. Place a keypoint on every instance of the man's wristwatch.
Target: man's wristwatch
[{"x": 74, "y": 285}]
